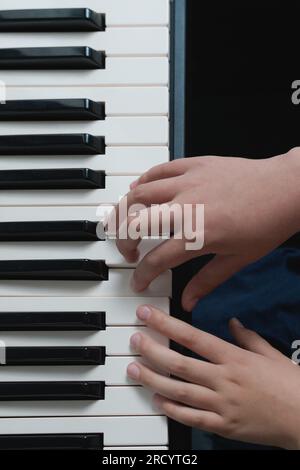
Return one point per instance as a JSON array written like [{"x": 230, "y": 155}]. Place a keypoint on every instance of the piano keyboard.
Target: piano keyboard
[{"x": 86, "y": 112}]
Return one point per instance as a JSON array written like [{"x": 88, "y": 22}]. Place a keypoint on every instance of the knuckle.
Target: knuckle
[
  {"x": 181, "y": 393},
  {"x": 153, "y": 261},
  {"x": 191, "y": 339},
  {"x": 139, "y": 194},
  {"x": 179, "y": 366}
]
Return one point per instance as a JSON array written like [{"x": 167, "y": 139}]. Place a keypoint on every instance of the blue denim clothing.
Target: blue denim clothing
[{"x": 266, "y": 298}]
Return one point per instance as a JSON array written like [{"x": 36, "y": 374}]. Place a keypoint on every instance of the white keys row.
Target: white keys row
[
  {"x": 104, "y": 250},
  {"x": 118, "y": 12},
  {"x": 119, "y": 401},
  {"x": 113, "y": 41},
  {"x": 119, "y": 71},
  {"x": 113, "y": 372},
  {"x": 115, "y": 339},
  {"x": 115, "y": 188},
  {"x": 118, "y": 285},
  {"x": 118, "y": 311},
  {"x": 118, "y": 431},
  {"x": 116, "y": 130},
  {"x": 117, "y": 161},
  {"x": 119, "y": 101}
]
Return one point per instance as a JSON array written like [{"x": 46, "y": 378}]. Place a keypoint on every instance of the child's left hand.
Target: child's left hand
[{"x": 248, "y": 393}]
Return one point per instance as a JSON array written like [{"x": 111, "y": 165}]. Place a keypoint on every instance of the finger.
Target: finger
[
  {"x": 164, "y": 170},
  {"x": 155, "y": 221},
  {"x": 204, "y": 344},
  {"x": 182, "y": 392},
  {"x": 173, "y": 363},
  {"x": 217, "y": 271},
  {"x": 167, "y": 255},
  {"x": 142, "y": 197},
  {"x": 201, "y": 419},
  {"x": 251, "y": 341}
]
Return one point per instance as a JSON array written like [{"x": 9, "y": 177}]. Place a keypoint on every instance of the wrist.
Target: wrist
[{"x": 288, "y": 174}]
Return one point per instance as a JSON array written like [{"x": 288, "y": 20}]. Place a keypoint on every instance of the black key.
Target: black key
[
  {"x": 52, "y": 270},
  {"x": 80, "y": 230},
  {"x": 52, "y": 144},
  {"x": 51, "y": 58},
  {"x": 55, "y": 356},
  {"x": 52, "y": 321},
  {"x": 52, "y": 110},
  {"x": 51, "y": 442},
  {"x": 29, "y": 391},
  {"x": 70, "y": 178},
  {"x": 51, "y": 20}
]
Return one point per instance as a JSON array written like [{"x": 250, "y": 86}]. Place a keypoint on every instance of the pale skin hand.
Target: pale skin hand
[
  {"x": 248, "y": 393},
  {"x": 251, "y": 207}
]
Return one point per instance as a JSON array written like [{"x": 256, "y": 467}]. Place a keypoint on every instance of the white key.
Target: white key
[
  {"x": 104, "y": 250},
  {"x": 119, "y": 101},
  {"x": 118, "y": 285},
  {"x": 117, "y": 161},
  {"x": 118, "y": 12},
  {"x": 113, "y": 41},
  {"x": 118, "y": 311},
  {"x": 116, "y": 130},
  {"x": 115, "y": 339},
  {"x": 115, "y": 188},
  {"x": 118, "y": 431},
  {"x": 119, "y": 71},
  {"x": 113, "y": 372}
]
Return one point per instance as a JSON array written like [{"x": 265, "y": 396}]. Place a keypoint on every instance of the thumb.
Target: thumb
[
  {"x": 251, "y": 341},
  {"x": 217, "y": 271}
]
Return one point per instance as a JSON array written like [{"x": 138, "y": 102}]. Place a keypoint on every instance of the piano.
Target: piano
[{"x": 94, "y": 97}]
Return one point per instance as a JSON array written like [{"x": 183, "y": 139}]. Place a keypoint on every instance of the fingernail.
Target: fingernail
[
  {"x": 143, "y": 312},
  {"x": 133, "y": 371},
  {"x": 135, "y": 340},
  {"x": 134, "y": 184},
  {"x": 237, "y": 322}
]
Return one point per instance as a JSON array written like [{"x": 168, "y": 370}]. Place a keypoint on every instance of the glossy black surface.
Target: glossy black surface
[
  {"x": 51, "y": 442},
  {"x": 30, "y": 391},
  {"x": 71, "y": 178},
  {"x": 51, "y": 20},
  {"x": 52, "y": 144},
  {"x": 73, "y": 269},
  {"x": 52, "y": 110},
  {"x": 51, "y": 58},
  {"x": 52, "y": 321},
  {"x": 55, "y": 356},
  {"x": 73, "y": 230}
]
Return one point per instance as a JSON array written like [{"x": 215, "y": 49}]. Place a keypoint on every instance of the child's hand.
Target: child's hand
[
  {"x": 248, "y": 393},
  {"x": 251, "y": 207}
]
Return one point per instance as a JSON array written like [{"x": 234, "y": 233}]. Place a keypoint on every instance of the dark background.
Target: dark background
[
  {"x": 242, "y": 58},
  {"x": 241, "y": 62}
]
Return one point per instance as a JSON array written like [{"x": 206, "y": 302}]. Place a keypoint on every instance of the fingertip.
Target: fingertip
[
  {"x": 134, "y": 184},
  {"x": 189, "y": 303},
  {"x": 236, "y": 322}
]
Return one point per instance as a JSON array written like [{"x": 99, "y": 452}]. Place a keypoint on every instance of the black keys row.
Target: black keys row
[
  {"x": 51, "y": 20},
  {"x": 51, "y": 442},
  {"x": 71, "y": 178},
  {"x": 52, "y": 110},
  {"x": 52, "y": 144},
  {"x": 52, "y": 321},
  {"x": 54, "y": 270},
  {"x": 55, "y": 356},
  {"x": 52, "y": 58},
  {"x": 73, "y": 230},
  {"x": 32, "y": 391}
]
